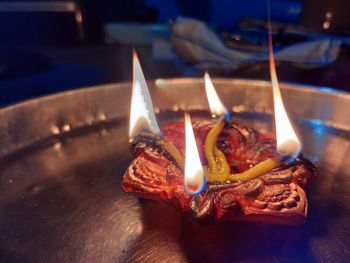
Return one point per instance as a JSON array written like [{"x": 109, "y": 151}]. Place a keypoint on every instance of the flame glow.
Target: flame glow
[
  {"x": 194, "y": 173},
  {"x": 216, "y": 107},
  {"x": 142, "y": 118},
  {"x": 288, "y": 143}
]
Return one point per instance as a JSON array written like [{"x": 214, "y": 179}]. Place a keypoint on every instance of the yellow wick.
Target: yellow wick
[
  {"x": 219, "y": 170},
  {"x": 223, "y": 168},
  {"x": 255, "y": 171},
  {"x": 174, "y": 152},
  {"x": 210, "y": 145}
]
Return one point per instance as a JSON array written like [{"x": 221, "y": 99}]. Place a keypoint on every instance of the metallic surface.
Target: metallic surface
[
  {"x": 34, "y": 6},
  {"x": 62, "y": 158}
]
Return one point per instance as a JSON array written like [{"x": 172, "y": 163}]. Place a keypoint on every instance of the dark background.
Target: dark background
[{"x": 43, "y": 51}]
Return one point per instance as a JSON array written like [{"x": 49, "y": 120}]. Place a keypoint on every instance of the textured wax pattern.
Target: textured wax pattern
[{"x": 276, "y": 197}]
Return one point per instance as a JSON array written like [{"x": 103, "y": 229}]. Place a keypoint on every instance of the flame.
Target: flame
[
  {"x": 288, "y": 143},
  {"x": 215, "y": 104},
  {"x": 194, "y": 173},
  {"x": 142, "y": 117}
]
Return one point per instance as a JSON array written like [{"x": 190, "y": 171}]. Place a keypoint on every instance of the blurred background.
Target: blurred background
[{"x": 49, "y": 46}]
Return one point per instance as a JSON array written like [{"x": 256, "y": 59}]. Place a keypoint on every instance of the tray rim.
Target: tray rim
[
  {"x": 17, "y": 116},
  {"x": 180, "y": 80}
]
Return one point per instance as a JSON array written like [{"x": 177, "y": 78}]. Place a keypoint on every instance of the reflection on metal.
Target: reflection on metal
[
  {"x": 35, "y": 6},
  {"x": 253, "y": 96}
]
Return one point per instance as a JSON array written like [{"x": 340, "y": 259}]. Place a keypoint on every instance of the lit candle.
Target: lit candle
[
  {"x": 194, "y": 173},
  {"x": 288, "y": 144},
  {"x": 218, "y": 168},
  {"x": 217, "y": 108},
  {"x": 287, "y": 141},
  {"x": 142, "y": 117}
]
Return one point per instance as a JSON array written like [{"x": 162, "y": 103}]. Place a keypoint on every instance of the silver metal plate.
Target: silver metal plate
[{"x": 62, "y": 158}]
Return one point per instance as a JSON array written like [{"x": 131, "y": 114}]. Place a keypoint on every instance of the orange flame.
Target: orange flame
[
  {"x": 216, "y": 107},
  {"x": 288, "y": 143},
  {"x": 194, "y": 173}
]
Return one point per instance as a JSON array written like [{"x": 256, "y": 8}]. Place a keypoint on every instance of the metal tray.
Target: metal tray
[{"x": 62, "y": 158}]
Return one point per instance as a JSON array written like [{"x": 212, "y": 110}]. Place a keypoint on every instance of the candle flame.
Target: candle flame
[
  {"x": 142, "y": 117},
  {"x": 288, "y": 143},
  {"x": 216, "y": 107},
  {"x": 194, "y": 173}
]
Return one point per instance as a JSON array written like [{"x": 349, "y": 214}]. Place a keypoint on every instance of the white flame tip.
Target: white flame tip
[
  {"x": 194, "y": 180},
  {"x": 288, "y": 143},
  {"x": 142, "y": 117},
  {"x": 216, "y": 106}
]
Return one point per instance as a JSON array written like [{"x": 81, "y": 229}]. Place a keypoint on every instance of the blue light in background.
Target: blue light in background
[{"x": 226, "y": 13}]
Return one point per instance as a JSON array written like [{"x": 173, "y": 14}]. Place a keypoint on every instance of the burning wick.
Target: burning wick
[
  {"x": 194, "y": 173},
  {"x": 216, "y": 107},
  {"x": 142, "y": 118},
  {"x": 218, "y": 169},
  {"x": 288, "y": 144}
]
